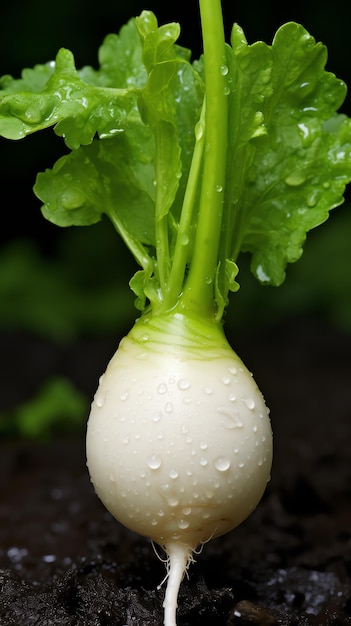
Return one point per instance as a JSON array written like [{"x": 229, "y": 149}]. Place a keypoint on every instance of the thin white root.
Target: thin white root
[{"x": 179, "y": 557}]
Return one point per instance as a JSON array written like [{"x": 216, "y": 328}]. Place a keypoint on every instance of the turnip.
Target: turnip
[
  {"x": 179, "y": 441},
  {"x": 193, "y": 163}
]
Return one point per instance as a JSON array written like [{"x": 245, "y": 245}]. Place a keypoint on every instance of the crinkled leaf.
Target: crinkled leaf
[
  {"x": 78, "y": 104},
  {"x": 290, "y": 157},
  {"x": 113, "y": 177},
  {"x": 158, "y": 106},
  {"x": 120, "y": 61}
]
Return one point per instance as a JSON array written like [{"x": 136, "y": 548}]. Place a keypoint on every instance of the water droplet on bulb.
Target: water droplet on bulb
[
  {"x": 173, "y": 501},
  {"x": 183, "y": 384},
  {"x": 186, "y": 510},
  {"x": 100, "y": 400},
  {"x": 173, "y": 474},
  {"x": 222, "y": 464},
  {"x": 162, "y": 388},
  {"x": 250, "y": 403},
  {"x": 156, "y": 416},
  {"x": 154, "y": 462},
  {"x": 183, "y": 524}
]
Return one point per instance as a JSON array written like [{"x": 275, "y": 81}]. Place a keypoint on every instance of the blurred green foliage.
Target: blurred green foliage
[{"x": 58, "y": 407}]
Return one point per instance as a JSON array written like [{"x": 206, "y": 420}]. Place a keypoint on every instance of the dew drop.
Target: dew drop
[
  {"x": 161, "y": 513},
  {"x": 219, "y": 188},
  {"x": 154, "y": 462},
  {"x": 199, "y": 131},
  {"x": 173, "y": 474},
  {"x": 203, "y": 445},
  {"x": 232, "y": 370},
  {"x": 156, "y": 416},
  {"x": 222, "y": 464},
  {"x": 162, "y": 388},
  {"x": 203, "y": 461},
  {"x": 124, "y": 396},
  {"x": 125, "y": 439},
  {"x": 224, "y": 70},
  {"x": 173, "y": 501},
  {"x": 186, "y": 510},
  {"x": 184, "y": 239},
  {"x": 208, "y": 390},
  {"x": 225, "y": 380},
  {"x": 295, "y": 179},
  {"x": 183, "y": 384},
  {"x": 100, "y": 400},
  {"x": 154, "y": 522},
  {"x": 169, "y": 407},
  {"x": 250, "y": 403},
  {"x": 183, "y": 524},
  {"x": 141, "y": 355},
  {"x": 312, "y": 199}
]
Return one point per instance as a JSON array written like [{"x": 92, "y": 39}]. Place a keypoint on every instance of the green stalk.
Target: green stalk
[
  {"x": 176, "y": 277},
  {"x": 199, "y": 288},
  {"x": 162, "y": 244}
]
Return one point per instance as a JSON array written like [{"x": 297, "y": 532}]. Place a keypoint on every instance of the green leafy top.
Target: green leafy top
[{"x": 193, "y": 162}]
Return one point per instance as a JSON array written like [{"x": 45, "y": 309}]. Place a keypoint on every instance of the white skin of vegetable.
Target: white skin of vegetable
[{"x": 179, "y": 442}]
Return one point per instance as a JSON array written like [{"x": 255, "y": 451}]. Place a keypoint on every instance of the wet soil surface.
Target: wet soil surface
[{"x": 64, "y": 561}]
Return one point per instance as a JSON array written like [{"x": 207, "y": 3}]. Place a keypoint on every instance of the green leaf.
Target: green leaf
[
  {"x": 113, "y": 177},
  {"x": 164, "y": 109},
  {"x": 290, "y": 157},
  {"x": 78, "y": 104},
  {"x": 120, "y": 61}
]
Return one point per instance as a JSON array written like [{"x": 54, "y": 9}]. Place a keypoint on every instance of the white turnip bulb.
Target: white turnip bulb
[{"x": 179, "y": 443}]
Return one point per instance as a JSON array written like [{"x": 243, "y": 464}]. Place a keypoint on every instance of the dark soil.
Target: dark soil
[{"x": 64, "y": 561}]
